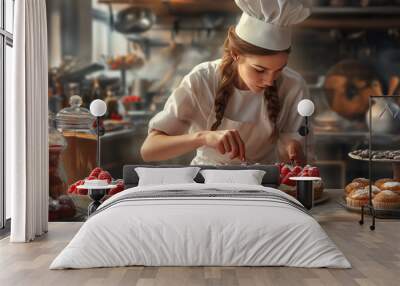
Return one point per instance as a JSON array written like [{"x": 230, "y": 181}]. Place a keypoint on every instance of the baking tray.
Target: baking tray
[
  {"x": 380, "y": 213},
  {"x": 373, "y": 160}
]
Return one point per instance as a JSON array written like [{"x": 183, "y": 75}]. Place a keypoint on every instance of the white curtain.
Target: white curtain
[{"x": 27, "y": 124}]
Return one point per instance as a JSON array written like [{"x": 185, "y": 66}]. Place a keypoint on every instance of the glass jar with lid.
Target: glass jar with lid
[
  {"x": 61, "y": 207},
  {"x": 76, "y": 126},
  {"x": 57, "y": 176}
]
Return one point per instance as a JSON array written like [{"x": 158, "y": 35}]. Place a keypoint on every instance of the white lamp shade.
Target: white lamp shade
[
  {"x": 305, "y": 107},
  {"x": 98, "y": 107}
]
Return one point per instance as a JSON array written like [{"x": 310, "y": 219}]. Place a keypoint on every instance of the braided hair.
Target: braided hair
[{"x": 228, "y": 74}]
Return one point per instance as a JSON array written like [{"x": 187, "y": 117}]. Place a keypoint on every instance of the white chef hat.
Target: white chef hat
[{"x": 266, "y": 23}]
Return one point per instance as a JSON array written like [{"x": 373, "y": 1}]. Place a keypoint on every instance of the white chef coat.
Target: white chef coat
[{"x": 190, "y": 108}]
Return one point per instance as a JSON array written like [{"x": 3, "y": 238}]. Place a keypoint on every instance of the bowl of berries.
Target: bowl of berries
[
  {"x": 289, "y": 186},
  {"x": 80, "y": 195}
]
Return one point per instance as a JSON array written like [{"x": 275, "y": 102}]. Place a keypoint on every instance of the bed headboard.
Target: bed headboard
[{"x": 270, "y": 179}]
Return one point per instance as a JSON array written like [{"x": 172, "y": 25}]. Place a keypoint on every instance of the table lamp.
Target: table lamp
[
  {"x": 305, "y": 193},
  {"x": 305, "y": 108},
  {"x": 98, "y": 108}
]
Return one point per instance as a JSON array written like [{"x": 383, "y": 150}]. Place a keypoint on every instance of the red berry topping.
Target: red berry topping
[
  {"x": 95, "y": 172},
  {"x": 285, "y": 170},
  {"x": 80, "y": 182},
  {"x": 104, "y": 175},
  {"x": 72, "y": 189},
  {"x": 314, "y": 172},
  {"x": 296, "y": 170},
  {"x": 287, "y": 181}
]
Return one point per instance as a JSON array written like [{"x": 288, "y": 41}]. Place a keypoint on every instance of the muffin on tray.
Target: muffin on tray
[
  {"x": 357, "y": 198},
  {"x": 386, "y": 199},
  {"x": 380, "y": 182},
  {"x": 354, "y": 185},
  {"x": 391, "y": 186}
]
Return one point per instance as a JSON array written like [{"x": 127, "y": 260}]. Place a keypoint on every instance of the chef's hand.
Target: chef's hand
[
  {"x": 226, "y": 141},
  {"x": 295, "y": 152}
]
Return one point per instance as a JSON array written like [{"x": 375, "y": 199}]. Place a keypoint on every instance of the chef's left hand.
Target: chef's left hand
[{"x": 295, "y": 152}]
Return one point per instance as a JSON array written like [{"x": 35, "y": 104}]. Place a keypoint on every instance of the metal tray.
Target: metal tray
[
  {"x": 355, "y": 157},
  {"x": 380, "y": 213}
]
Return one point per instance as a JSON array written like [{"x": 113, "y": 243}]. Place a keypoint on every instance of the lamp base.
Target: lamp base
[
  {"x": 305, "y": 193},
  {"x": 96, "y": 195}
]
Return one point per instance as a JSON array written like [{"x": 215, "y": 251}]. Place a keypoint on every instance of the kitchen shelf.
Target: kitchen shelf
[
  {"x": 196, "y": 6},
  {"x": 341, "y": 11}
]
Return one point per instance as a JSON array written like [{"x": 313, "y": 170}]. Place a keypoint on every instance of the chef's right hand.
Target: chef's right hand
[{"x": 226, "y": 141}]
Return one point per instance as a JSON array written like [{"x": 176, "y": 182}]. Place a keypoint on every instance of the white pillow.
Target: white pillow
[
  {"x": 248, "y": 177},
  {"x": 163, "y": 176}
]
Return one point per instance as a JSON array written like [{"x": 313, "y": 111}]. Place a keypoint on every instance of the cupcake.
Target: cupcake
[
  {"x": 352, "y": 186},
  {"x": 375, "y": 190},
  {"x": 386, "y": 200},
  {"x": 391, "y": 186},
  {"x": 380, "y": 182},
  {"x": 357, "y": 198}
]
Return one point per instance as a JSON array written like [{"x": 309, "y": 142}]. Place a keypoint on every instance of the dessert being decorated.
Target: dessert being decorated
[
  {"x": 97, "y": 178},
  {"x": 289, "y": 186}
]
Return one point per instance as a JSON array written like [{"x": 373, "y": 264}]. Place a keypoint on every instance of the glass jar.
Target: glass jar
[
  {"x": 57, "y": 177},
  {"x": 76, "y": 126},
  {"x": 61, "y": 207}
]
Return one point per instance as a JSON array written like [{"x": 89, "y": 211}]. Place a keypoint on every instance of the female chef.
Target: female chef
[{"x": 243, "y": 107}]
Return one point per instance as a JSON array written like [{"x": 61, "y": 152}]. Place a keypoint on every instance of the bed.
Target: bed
[{"x": 198, "y": 224}]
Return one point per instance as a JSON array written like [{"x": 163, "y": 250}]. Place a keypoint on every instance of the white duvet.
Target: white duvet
[{"x": 200, "y": 231}]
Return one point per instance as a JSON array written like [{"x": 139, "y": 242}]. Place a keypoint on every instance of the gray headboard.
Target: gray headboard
[{"x": 271, "y": 177}]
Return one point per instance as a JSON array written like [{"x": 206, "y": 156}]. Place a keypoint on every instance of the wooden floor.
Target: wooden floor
[{"x": 374, "y": 255}]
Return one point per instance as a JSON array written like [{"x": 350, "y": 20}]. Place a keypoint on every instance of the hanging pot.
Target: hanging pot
[{"x": 134, "y": 20}]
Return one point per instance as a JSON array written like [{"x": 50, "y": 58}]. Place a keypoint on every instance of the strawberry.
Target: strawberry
[
  {"x": 104, "y": 175},
  {"x": 91, "y": 178},
  {"x": 314, "y": 172},
  {"x": 80, "y": 182},
  {"x": 305, "y": 173},
  {"x": 285, "y": 170},
  {"x": 72, "y": 189},
  {"x": 95, "y": 172},
  {"x": 287, "y": 181},
  {"x": 296, "y": 170}
]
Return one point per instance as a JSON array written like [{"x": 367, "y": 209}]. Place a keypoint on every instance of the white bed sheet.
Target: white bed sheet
[{"x": 200, "y": 231}]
